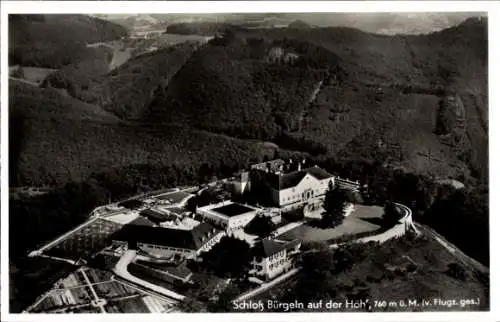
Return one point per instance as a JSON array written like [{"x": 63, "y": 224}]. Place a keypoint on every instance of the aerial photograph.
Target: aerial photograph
[{"x": 248, "y": 162}]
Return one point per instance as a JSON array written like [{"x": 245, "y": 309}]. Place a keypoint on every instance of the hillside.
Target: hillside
[
  {"x": 77, "y": 77},
  {"x": 127, "y": 90},
  {"x": 237, "y": 85},
  {"x": 407, "y": 268},
  {"x": 58, "y": 139},
  {"x": 55, "y": 40},
  {"x": 309, "y": 90}
]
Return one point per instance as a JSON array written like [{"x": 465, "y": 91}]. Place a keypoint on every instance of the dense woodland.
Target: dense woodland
[
  {"x": 233, "y": 87},
  {"x": 53, "y": 41},
  {"x": 185, "y": 114}
]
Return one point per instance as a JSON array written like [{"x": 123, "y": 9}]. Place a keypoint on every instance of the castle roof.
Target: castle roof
[
  {"x": 289, "y": 180},
  {"x": 192, "y": 239},
  {"x": 268, "y": 247}
]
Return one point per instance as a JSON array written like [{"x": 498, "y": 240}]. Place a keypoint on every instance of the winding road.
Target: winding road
[{"x": 121, "y": 270}]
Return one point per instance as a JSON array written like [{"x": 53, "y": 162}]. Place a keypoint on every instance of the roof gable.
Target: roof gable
[
  {"x": 268, "y": 247},
  {"x": 292, "y": 179}
]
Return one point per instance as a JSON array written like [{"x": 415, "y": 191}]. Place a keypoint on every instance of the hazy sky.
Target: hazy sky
[{"x": 390, "y": 23}]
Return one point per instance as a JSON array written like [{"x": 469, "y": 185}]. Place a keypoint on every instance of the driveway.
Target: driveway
[{"x": 121, "y": 270}]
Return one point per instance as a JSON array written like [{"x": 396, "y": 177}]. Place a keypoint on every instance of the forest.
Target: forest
[{"x": 55, "y": 40}]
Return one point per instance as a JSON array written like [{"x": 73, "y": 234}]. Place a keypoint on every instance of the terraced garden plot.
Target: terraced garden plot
[
  {"x": 113, "y": 289},
  {"x": 85, "y": 309},
  {"x": 133, "y": 304},
  {"x": 65, "y": 298},
  {"x": 85, "y": 241},
  {"x": 96, "y": 276}
]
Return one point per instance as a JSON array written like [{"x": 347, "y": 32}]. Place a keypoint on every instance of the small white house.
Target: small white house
[{"x": 272, "y": 257}]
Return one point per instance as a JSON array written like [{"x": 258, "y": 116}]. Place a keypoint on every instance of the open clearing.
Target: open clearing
[{"x": 33, "y": 74}]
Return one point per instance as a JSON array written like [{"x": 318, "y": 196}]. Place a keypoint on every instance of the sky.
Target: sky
[{"x": 385, "y": 23}]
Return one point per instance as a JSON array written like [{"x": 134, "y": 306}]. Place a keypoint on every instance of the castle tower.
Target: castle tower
[{"x": 242, "y": 183}]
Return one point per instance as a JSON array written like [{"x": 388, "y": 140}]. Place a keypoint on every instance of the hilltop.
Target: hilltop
[
  {"x": 355, "y": 100},
  {"x": 298, "y": 24}
]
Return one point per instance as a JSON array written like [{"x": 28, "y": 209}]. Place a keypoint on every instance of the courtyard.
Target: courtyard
[
  {"x": 364, "y": 219},
  {"x": 174, "y": 197}
]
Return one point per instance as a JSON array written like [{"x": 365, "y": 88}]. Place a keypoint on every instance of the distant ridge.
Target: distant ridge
[{"x": 299, "y": 24}]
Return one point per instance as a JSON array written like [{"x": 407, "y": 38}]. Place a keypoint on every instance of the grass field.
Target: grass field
[
  {"x": 362, "y": 219},
  {"x": 34, "y": 75},
  {"x": 173, "y": 197},
  {"x": 120, "y": 57}
]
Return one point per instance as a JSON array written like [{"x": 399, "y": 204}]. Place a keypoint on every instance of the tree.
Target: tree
[
  {"x": 343, "y": 259},
  {"x": 336, "y": 200},
  {"x": 457, "y": 271},
  {"x": 18, "y": 72},
  {"x": 391, "y": 214},
  {"x": 317, "y": 268},
  {"x": 229, "y": 258},
  {"x": 191, "y": 305},
  {"x": 205, "y": 172},
  {"x": 261, "y": 226},
  {"x": 318, "y": 264},
  {"x": 354, "y": 197},
  {"x": 208, "y": 196},
  {"x": 224, "y": 303}
]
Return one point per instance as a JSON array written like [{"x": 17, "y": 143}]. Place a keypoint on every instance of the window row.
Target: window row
[
  {"x": 277, "y": 255},
  {"x": 168, "y": 248},
  {"x": 277, "y": 264}
]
